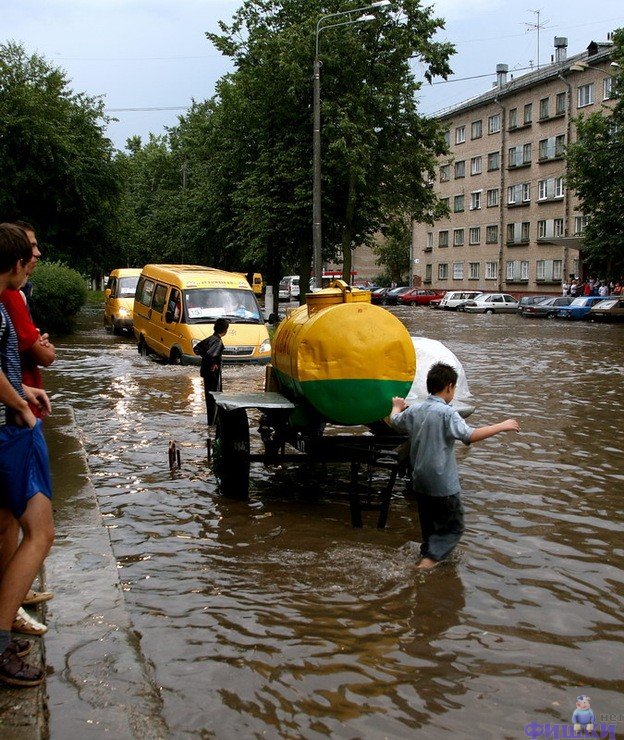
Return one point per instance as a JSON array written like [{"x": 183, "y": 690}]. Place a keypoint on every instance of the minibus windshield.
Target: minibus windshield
[
  {"x": 127, "y": 286},
  {"x": 204, "y": 305}
]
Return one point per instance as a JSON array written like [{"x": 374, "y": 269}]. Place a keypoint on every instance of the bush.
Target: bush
[{"x": 58, "y": 294}]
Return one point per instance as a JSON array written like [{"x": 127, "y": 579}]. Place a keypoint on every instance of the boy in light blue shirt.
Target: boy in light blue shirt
[{"x": 433, "y": 427}]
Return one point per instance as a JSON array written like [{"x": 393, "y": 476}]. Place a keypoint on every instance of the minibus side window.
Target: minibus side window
[
  {"x": 158, "y": 301},
  {"x": 174, "y": 305},
  {"x": 145, "y": 296}
]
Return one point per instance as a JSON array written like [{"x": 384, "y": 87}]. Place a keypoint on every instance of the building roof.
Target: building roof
[{"x": 596, "y": 52}]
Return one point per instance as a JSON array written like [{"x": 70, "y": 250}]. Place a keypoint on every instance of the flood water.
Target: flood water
[{"x": 273, "y": 617}]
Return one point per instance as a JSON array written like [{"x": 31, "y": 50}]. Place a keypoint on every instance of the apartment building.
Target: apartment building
[{"x": 513, "y": 224}]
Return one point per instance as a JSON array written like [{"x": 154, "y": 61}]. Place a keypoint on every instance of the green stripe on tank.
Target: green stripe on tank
[{"x": 354, "y": 401}]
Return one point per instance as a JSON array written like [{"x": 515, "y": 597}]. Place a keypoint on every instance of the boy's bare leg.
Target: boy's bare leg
[
  {"x": 38, "y": 527},
  {"x": 427, "y": 564},
  {"x": 9, "y": 538}
]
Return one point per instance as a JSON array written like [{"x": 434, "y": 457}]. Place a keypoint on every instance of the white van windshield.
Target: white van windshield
[{"x": 204, "y": 305}]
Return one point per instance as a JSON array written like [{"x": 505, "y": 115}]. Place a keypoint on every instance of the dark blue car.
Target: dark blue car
[{"x": 580, "y": 307}]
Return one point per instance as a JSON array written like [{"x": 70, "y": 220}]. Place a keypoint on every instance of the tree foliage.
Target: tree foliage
[
  {"x": 393, "y": 252},
  {"x": 596, "y": 171},
  {"x": 58, "y": 294},
  {"x": 57, "y": 166}
]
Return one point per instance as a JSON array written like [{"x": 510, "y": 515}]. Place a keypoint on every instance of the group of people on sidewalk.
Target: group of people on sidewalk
[
  {"x": 26, "y": 522},
  {"x": 576, "y": 288}
]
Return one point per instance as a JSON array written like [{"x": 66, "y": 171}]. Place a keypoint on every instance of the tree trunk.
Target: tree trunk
[{"x": 347, "y": 232}]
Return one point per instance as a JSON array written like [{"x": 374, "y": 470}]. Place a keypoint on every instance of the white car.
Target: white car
[
  {"x": 453, "y": 299},
  {"x": 492, "y": 303},
  {"x": 289, "y": 288}
]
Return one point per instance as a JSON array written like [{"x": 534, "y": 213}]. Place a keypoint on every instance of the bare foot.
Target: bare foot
[{"x": 427, "y": 564}]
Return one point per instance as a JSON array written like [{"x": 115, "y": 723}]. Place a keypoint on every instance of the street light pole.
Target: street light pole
[{"x": 317, "y": 255}]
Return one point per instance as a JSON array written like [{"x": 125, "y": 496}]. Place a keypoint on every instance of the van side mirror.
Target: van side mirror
[{"x": 169, "y": 316}]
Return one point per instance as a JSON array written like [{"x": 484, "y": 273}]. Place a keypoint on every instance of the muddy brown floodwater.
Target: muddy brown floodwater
[{"x": 275, "y": 618}]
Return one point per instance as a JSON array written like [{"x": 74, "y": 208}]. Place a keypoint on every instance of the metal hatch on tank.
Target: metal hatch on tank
[{"x": 336, "y": 364}]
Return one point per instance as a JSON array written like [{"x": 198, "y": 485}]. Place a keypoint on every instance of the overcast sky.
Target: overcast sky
[{"x": 153, "y": 54}]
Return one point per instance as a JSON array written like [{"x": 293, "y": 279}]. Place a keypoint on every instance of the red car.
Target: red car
[{"x": 419, "y": 297}]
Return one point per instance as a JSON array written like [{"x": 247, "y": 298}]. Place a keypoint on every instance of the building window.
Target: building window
[
  {"x": 551, "y": 189},
  {"x": 560, "y": 104},
  {"x": 445, "y": 173},
  {"x": 520, "y": 155},
  {"x": 476, "y": 130},
  {"x": 559, "y": 187},
  {"x": 525, "y": 231},
  {"x": 524, "y": 270},
  {"x": 475, "y": 165},
  {"x": 607, "y": 88},
  {"x": 544, "y": 106},
  {"x": 513, "y": 118},
  {"x": 428, "y": 272},
  {"x": 443, "y": 239},
  {"x": 493, "y": 197},
  {"x": 552, "y": 147},
  {"x": 528, "y": 113},
  {"x": 458, "y": 270},
  {"x": 443, "y": 271},
  {"x": 540, "y": 269},
  {"x": 558, "y": 227},
  {"x": 526, "y": 153},
  {"x": 460, "y": 134},
  {"x": 518, "y": 233},
  {"x": 580, "y": 224},
  {"x": 458, "y": 204},
  {"x": 429, "y": 246},
  {"x": 557, "y": 269},
  {"x": 493, "y": 161},
  {"x": 473, "y": 270},
  {"x": 491, "y": 234},
  {"x": 474, "y": 235},
  {"x": 494, "y": 123},
  {"x": 460, "y": 169},
  {"x": 585, "y": 95},
  {"x": 447, "y": 138},
  {"x": 475, "y": 200},
  {"x": 542, "y": 229},
  {"x": 458, "y": 237},
  {"x": 520, "y": 193},
  {"x": 491, "y": 270},
  {"x": 510, "y": 271}
]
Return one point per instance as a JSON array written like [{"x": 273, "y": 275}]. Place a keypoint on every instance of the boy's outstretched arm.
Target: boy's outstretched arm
[
  {"x": 398, "y": 405},
  {"x": 509, "y": 425}
]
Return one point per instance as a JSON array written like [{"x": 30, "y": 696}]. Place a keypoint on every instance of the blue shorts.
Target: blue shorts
[{"x": 24, "y": 467}]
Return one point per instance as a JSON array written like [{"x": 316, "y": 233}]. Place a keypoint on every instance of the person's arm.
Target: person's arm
[
  {"x": 42, "y": 351},
  {"x": 11, "y": 398},
  {"x": 39, "y": 398},
  {"x": 509, "y": 425}
]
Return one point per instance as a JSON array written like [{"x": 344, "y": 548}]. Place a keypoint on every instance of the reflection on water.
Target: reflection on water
[{"x": 274, "y": 617}]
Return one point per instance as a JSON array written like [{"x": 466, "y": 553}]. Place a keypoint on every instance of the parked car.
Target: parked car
[
  {"x": 378, "y": 294},
  {"x": 391, "y": 297},
  {"x": 547, "y": 308},
  {"x": 418, "y": 297},
  {"x": 492, "y": 303},
  {"x": 610, "y": 309},
  {"x": 580, "y": 307},
  {"x": 289, "y": 288},
  {"x": 531, "y": 300},
  {"x": 453, "y": 299}
]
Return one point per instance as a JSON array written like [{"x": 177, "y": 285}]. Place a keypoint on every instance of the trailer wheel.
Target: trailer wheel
[{"x": 231, "y": 453}]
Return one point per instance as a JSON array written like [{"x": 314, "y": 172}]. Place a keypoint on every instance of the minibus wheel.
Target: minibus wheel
[
  {"x": 175, "y": 358},
  {"x": 142, "y": 347}
]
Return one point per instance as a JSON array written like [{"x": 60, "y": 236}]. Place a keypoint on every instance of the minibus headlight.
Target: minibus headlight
[{"x": 265, "y": 346}]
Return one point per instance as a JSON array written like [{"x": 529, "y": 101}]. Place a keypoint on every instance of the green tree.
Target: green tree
[
  {"x": 58, "y": 295},
  {"x": 58, "y": 170},
  {"x": 595, "y": 164},
  {"x": 393, "y": 251},
  {"x": 377, "y": 150}
]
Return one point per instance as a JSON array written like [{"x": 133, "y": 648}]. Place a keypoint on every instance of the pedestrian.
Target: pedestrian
[
  {"x": 211, "y": 351},
  {"x": 603, "y": 290},
  {"x": 574, "y": 289},
  {"x": 565, "y": 288},
  {"x": 35, "y": 350},
  {"x": 433, "y": 427},
  {"x": 25, "y": 487}
]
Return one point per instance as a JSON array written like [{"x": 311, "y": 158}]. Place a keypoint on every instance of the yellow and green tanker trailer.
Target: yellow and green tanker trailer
[{"x": 336, "y": 361}]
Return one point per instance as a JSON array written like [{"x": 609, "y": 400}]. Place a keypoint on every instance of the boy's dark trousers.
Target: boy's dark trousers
[
  {"x": 212, "y": 382},
  {"x": 441, "y": 524}
]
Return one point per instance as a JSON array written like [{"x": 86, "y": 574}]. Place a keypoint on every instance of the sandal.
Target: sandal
[
  {"x": 14, "y": 672},
  {"x": 27, "y": 625},
  {"x": 37, "y": 597}
]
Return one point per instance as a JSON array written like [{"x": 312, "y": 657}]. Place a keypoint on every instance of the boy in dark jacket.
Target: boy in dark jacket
[{"x": 211, "y": 350}]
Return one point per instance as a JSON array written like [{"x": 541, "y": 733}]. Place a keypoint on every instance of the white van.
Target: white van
[
  {"x": 453, "y": 300},
  {"x": 289, "y": 288}
]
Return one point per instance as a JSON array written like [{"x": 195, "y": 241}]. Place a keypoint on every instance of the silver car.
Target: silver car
[{"x": 492, "y": 303}]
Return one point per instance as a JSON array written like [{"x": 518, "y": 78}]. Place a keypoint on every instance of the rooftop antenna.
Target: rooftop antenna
[{"x": 537, "y": 26}]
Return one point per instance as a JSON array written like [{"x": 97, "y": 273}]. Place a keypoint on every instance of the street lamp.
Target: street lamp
[
  {"x": 582, "y": 66},
  {"x": 317, "y": 262}
]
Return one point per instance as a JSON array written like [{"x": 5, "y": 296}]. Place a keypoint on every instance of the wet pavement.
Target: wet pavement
[{"x": 274, "y": 617}]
